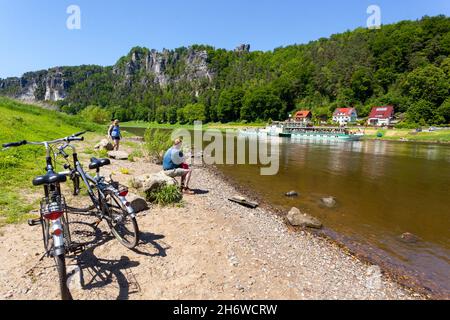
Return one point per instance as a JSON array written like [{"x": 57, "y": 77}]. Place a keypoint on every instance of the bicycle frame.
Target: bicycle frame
[{"x": 97, "y": 181}]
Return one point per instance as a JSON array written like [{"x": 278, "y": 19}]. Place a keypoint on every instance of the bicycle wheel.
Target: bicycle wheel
[
  {"x": 62, "y": 273},
  {"x": 123, "y": 227}
]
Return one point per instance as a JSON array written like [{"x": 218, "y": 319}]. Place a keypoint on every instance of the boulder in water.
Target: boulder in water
[
  {"x": 299, "y": 219},
  {"x": 329, "y": 202},
  {"x": 409, "y": 238},
  {"x": 291, "y": 194}
]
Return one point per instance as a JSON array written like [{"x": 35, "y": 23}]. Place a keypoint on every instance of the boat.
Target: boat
[
  {"x": 298, "y": 130},
  {"x": 322, "y": 133}
]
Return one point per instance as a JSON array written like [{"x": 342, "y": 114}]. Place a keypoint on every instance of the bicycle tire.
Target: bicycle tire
[
  {"x": 117, "y": 229},
  {"x": 60, "y": 261}
]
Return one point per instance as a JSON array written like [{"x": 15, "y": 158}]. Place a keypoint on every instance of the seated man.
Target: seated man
[{"x": 174, "y": 166}]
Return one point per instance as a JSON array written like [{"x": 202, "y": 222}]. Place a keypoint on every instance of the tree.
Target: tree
[
  {"x": 160, "y": 114},
  {"x": 230, "y": 104},
  {"x": 262, "y": 104},
  {"x": 421, "y": 112},
  {"x": 194, "y": 112},
  {"x": 429, "y": 83},
  {"x": 361, "y": 84},
  {"x": 442, "y": 115},
  {"x": 96, "y": 114},
  {"x": 171, "y": 114}
]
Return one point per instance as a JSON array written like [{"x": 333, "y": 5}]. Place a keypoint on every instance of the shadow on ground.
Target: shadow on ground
[{"x": 108, "y": 275}]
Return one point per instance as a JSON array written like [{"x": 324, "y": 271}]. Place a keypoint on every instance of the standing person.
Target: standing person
[
  {"x": 174, "y": 166},
  {"x": 115, "y": 134}
]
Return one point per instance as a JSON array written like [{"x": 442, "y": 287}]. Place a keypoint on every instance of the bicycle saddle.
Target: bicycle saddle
[
  {"x": 49, "y": 178},
  {"x": 98, "y": 163}
]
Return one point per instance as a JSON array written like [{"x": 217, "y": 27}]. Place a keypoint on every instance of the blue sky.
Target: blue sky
[{"x": 33, "y": 34}]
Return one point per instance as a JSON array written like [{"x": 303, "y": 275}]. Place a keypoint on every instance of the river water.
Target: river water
[{"x": 383, "y": 190}]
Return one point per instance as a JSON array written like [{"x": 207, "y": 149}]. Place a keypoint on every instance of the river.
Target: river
[{"x": 383, "y": 190}]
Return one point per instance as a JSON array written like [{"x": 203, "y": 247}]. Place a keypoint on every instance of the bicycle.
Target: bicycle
[
  {"x": 109, "y": 204},
  {"x": 108, "y": 197},
  {"x": 53, "y": 211}
]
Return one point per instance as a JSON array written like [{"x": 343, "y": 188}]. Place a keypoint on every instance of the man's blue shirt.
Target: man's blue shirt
[{"x": 170, "y": 156}]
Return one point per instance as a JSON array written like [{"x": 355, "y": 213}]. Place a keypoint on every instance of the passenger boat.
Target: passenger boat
[
  {"x": 298, "y": 131},
  {"x": 295, "y": 130}
]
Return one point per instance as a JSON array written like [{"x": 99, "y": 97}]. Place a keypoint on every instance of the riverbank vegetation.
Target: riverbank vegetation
[{"x": 19, "y": 165}]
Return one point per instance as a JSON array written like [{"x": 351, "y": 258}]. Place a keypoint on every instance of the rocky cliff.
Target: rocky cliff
[
  {"x": 164, "y": 68},
  {"x": 48, "y": 85}
]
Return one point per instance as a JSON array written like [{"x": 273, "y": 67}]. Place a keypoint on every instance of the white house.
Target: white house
[{"x": 344, "y": 116}]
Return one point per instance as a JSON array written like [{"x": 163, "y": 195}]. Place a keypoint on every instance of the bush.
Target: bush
[
  {"x": 135, "y": 154},
  {"x": 156, "y": 143},
  {"x": 165, "y": 196},
  {"x": 96, "y": 114}
]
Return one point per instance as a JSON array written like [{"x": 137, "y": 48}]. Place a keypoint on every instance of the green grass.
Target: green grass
[
  {"x": 439, "y": 136},
  {"x": 18, "y": 166}
]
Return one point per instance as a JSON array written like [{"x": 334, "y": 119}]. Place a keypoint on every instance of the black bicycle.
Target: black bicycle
[{"x": 108, "y": 198}]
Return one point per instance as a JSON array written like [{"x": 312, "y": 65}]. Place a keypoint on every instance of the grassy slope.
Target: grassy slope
[{"x": 19, "y": 165}]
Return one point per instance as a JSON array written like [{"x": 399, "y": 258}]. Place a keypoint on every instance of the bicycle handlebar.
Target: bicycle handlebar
[
  {"x": 15, "y": 144},
  {"x": 74, "y": 137},
  {"x": 79, "y": 134}
]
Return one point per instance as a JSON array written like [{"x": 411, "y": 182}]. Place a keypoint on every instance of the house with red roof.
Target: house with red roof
[
  {"x": 344, "y": 116},
  {"x": 304, "y": 116},
  {"x": 381, "y": 116}
]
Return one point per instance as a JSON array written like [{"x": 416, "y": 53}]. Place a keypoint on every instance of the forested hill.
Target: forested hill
[{"x": 405, "y": 64}]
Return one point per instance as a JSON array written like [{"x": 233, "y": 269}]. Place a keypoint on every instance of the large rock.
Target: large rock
[
  {"x": 298, "y": 219},
  {"x": 329, "y": 202},
  {"x": 118, "y": 155},
  {"x": 104, "y": 145},
  {"x": 150, "y": 182}
]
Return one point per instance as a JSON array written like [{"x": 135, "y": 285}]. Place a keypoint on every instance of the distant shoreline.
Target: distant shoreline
[{"x": 397, "y": 135}]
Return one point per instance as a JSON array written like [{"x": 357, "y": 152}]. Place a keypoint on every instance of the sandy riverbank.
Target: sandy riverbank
[{"x": 208, "y": 248}]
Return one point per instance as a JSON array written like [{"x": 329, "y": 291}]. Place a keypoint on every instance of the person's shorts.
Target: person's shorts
[
  {"x": 116, "y": 138},
  {"x": 180, "y": 172}
]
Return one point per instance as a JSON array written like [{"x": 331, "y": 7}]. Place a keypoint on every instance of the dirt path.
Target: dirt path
[{"x": 207, "y": 249}]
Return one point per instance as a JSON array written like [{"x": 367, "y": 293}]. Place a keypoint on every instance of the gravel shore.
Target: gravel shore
[{"x": 207, "y": 248}]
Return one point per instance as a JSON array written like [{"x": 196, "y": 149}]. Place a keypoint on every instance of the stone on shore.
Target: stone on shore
[
  {"x": 104, "y": 145},
  {"x": 151, "y": 182},
  {"x": 298, "y": 219},
  {"x": 118, "y": 155},
  {"x": 329, "y": 202}
]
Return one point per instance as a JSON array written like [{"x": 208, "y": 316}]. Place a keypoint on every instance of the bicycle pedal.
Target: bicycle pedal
[{"x": 34, "y": 222}]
